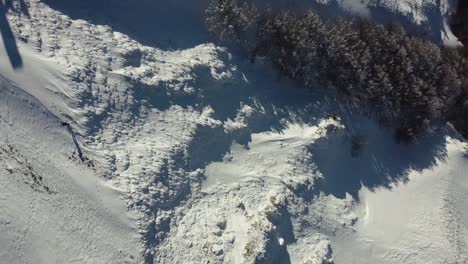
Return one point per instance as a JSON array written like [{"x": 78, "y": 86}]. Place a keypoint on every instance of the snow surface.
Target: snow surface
[{"x": 189, "y": 154}]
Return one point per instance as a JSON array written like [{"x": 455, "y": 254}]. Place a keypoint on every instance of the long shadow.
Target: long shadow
[
  {"x": 173, "y": 24},
  {"x": 75, "y": 141},
  {"x": 8, "y": 37}
]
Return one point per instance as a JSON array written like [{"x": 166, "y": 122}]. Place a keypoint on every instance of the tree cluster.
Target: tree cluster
[{"x": 412, "y": 84}]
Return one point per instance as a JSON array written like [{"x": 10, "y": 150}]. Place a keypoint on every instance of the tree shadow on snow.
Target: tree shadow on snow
[
  {"x": 381, "y": 161},
  {"x": 174, "y": 24},
  {"x": 9, "y": 40}
]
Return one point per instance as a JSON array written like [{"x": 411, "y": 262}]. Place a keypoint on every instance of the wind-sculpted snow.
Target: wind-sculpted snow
[{"x": 192, "y": 155}]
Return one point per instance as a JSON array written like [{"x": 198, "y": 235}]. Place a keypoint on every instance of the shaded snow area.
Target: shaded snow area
[{"x": 126, "y": 136}]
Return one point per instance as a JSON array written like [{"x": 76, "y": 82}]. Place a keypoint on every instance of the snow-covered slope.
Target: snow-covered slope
[
  {"x": 53, "y": 207},
  {"x": 127, "y": 137},
  {"x": 422, "y": 221}
]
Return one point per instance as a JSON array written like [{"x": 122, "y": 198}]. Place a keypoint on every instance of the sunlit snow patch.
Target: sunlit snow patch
[{"x": 269, "y": 154}]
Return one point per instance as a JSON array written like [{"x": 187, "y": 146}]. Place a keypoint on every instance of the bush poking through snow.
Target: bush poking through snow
[{"x": 411, "y": 84}]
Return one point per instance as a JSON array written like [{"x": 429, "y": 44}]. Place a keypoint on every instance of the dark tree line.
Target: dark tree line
[{"x": 411, "y": 83}]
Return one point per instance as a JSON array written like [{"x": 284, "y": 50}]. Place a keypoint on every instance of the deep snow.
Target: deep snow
[{"x": 193, "y": 155}]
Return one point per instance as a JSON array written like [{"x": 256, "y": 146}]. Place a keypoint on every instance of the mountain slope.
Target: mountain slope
[
  {"x": 192, "y": 155},
  {"x": 53, "y": 208}
]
